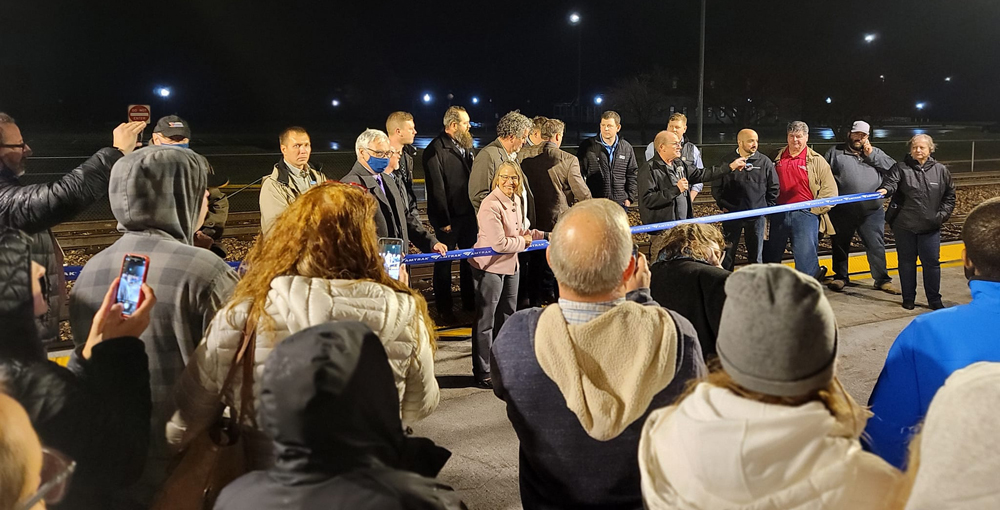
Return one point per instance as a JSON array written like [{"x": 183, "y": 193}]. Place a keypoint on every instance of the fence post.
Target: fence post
[{"x": 973, "y": 163}]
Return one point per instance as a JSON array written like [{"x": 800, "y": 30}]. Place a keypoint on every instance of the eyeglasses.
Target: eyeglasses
[
  {"x": 23, "y": 146},
  {"x": 379, "y": 154},
  {"x": 57, "y": 470},
  {"x": 511, "y": 178}
]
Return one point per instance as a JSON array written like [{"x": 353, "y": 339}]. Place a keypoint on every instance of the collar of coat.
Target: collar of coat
[
  {"x": 810, "y": 155},
  {"x": 284, "y": 173}
]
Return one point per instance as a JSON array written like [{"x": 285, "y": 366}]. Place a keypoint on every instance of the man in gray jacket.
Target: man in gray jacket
[
  {"x": 858, "y": 167},
  {"x": 512, "y": 131},
  {"x": 159, "y": 195}
]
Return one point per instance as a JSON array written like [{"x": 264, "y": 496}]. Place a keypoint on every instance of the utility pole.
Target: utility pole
[{"x": 701, "y": 78}]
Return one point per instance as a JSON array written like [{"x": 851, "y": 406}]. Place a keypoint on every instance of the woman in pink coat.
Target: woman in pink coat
[{"x": 501, "y": 227}]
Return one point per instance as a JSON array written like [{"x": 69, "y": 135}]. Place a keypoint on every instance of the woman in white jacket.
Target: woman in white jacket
[
  {"x": 773, "y": 428},
  {"x": 319, "y": 263}
]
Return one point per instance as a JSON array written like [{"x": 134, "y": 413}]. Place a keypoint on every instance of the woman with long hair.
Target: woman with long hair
[
  {"x": 495, "y": 278},
  {"x": 319, "y": 263},
  {"x": 773, "y": 427}
]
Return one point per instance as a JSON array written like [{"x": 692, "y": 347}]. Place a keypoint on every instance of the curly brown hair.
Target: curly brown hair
[
  {"x": 328, "y": 232},
  {"x": 687, "y": 240}
]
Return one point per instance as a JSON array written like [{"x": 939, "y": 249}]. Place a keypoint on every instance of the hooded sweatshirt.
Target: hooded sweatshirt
[
  {"x": 329, "y": 401},
  {"x": 717, "y": 450},
  {"x": 156, "y": 195},
  {"x": 577, "y": 397},
  {"x": 959, "y": 452}
]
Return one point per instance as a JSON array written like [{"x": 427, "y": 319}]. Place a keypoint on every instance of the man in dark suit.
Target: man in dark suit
[
  {"x": 447, "y": 165},
  {"x": 393, "y": 219}
]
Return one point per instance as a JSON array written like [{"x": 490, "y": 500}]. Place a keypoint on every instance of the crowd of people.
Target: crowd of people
[{"x": 668, "y": 382}]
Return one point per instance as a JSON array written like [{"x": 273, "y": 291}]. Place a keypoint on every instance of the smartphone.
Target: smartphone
[
  {"x": 391, "y": 249},
  {"x": 133, "y": 275}
]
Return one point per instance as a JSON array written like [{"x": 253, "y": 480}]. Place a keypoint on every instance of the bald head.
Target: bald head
[
  {"x": 590, "y": 249},
  {"x": 668, "y": 145},
  {"x": 20, "y": 454},
  {"x": 747, "y": 140}
]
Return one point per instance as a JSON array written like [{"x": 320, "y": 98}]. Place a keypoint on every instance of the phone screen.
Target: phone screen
[
  {"x": 130, "y": 286},
  {"x": 391, "y": 250}
]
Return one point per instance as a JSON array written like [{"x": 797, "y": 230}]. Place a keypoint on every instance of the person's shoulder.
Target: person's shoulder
[{"x": 518, "y": 334}]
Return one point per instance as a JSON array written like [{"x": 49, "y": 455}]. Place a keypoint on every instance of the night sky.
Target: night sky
[{"x": 248, "y": 63}]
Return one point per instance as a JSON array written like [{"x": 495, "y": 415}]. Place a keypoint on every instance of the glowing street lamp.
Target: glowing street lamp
[
  {"x": 427, "y": 98},
  {"x": 574, "y": 18},
  {"x": 870, "y": 38},
  {"x": 335, "y": 103},
  {"x": 947, "y": 78},
  {"x": 475, "y": 100},
  {"x": 163, "y": 92},
  {"x": 829, "y": 100},
  {"x": 598, "y": 100}
]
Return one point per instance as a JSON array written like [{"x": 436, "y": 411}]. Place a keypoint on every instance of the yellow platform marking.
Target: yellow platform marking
[
  {"x": 455, "y": 332},
  {"x": 951, "y": 256}
]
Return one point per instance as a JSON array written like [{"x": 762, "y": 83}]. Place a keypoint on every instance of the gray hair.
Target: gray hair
[
  {"x": 5, "y": 119},
  {"x": 592, "y": 268},
  {"x": 927, "y": 138},
  {"x": 451, "y": 115},
  {"x": 797, "y": 126},
  {"x": 369, "y": 136},
  {"x": 513, "y": 124}
]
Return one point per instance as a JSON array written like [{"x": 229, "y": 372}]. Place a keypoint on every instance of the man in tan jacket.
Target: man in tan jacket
[
  {"x": 292, "y": 176},
  {"x": 803, "y": 175}
]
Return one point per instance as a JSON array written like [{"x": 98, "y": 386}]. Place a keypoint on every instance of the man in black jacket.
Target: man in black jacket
[
  {"x": 97, "y": 411},
  {"x": 608, "y": 163},
  {"x": 393, "y": 218},
  {"x": 36, "y": 208},
  {"x": 665, "y": 181},
  {"x": 447, "y": 166},
  {"x": 753, "y": 188}
]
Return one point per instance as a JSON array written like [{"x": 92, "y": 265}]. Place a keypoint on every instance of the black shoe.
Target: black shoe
[
  {"x": 909, "y": 305},
  {"x": 820, "y": 274},
  {"x": 486, "y": 384},
  {"x": 936, "y": 305}
]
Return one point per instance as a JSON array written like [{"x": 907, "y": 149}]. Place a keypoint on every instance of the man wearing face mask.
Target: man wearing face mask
[
  {"x": 393, "y": 219},
  {"x": 292, "y": 176},
  {"x": 858, "y": 167},
  {"x": 937, "y": 344}
]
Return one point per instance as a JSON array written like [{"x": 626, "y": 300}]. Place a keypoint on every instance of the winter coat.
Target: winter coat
[
  {"x": 328, "y": 400},
  {"x": 578, "y": 424},
  {"x": 96, "y": 412},
  {"x": 660, "y": 199},
  {"x": 697, "y": 291},
  {"x": 393, "y": 218},
  {"x": 821, "y": 184},
  {"x": 484, "y": 168},
  {"x": 156, "y": 195},
  {"x": 296, "y": 303},
  {"x": 751, "y": 188},
  {"x": 959, "y": 454},
  {"x": 925, "y": 194},
  {"x": 922, "y": 357},
  {"x": 689, "y": 153},
  {"x": 277, "y": 191},
  {"x": 501, "y": 227},
  {"x": 717, "y": 450},
  {"x": 555, "y": 179},
  {"x": 446, "y": 176},
  {"x": 36, "y": 208},
  {"x": 615, "y": 180}
]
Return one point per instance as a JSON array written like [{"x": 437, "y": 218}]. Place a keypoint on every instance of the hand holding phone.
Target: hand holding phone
[
  {"x": 391, "y": 250},
  {"x": 109, "y": 322},
  {"x": 131, "y": 279}
]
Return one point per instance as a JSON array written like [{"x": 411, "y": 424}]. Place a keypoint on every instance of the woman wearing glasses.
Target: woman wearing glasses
[
  {"x": 29, "y": 472},
  {"x": 495, "y": 277}
]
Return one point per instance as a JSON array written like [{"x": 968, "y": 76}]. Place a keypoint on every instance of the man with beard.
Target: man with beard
[
  {"x": 447, "y": 166},
  {"x": 401, "y": 130},
  {"x": 859, "y": 168},
  {"x": 36, "y": 208}
]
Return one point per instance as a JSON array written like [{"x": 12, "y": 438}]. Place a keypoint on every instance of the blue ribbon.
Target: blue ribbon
[{"x": 72, "y": 272}]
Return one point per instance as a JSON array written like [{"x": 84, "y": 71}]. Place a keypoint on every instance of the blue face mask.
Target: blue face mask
[{"x": 378, "y": 165}]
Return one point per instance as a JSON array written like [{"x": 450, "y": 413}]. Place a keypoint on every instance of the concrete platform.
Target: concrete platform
[{"x": 472, "y": 423}]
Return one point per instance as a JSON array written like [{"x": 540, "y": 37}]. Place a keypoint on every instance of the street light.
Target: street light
[
  {"x": 163, "y": 92},
  {"x": 475, "y": 100},
  {"x": 829, "y": 100},
  {"x": 869, "y": 38},
  {"x": 598, "y": 99},
  {"x": 335, "y": 103},
  {"x": 427, "y": 98},
  {"x": 574, "y": 20},
  {"x": 920, "y": 106},
  {"x": 947, "y": 78}
]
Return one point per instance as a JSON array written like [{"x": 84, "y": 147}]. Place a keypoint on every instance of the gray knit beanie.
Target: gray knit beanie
[{"x": 778, "y": 334}]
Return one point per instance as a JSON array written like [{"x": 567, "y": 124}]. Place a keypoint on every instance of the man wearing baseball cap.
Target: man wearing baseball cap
[
  {"x": 858, "y": 167},
  {"x": 172, "y": 130}
]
